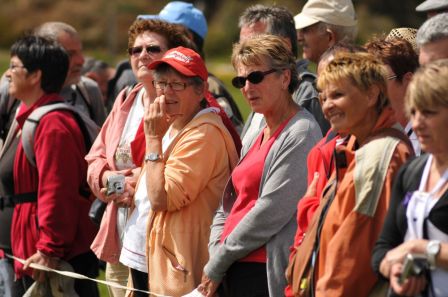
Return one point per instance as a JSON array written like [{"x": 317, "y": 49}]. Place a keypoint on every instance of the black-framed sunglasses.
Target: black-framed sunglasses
[
  {"x": 255, "y": 77},
  {"x": 150, "y": 49}
]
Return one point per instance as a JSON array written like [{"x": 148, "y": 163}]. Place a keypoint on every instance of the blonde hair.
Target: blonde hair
[
  {"x": 361, "y": 69},
  {"x": 269, "y": 49},
  {"x": 428, "y": 88}
]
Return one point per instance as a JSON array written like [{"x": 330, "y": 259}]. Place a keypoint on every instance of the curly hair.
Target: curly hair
[{"x": 175, "y": 35}]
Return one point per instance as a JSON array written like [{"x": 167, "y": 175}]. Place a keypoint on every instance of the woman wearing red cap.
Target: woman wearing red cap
[{"x": 189, "y": 157}]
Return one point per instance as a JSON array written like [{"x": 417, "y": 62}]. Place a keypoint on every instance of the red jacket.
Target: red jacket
[
  {"x": 319, "y": 160},
  {"x": 57, "y": 224}
]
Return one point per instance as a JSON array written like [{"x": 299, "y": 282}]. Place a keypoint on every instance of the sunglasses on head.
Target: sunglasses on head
[
  {"x": 255, "y": 77},
  {"x": 150, "y": 49}
]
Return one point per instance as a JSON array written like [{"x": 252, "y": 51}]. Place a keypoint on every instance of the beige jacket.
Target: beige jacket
[{"x": 198, "y": 164}]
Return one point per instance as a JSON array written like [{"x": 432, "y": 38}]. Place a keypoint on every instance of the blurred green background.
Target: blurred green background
[{"x": 103, "y": 25}]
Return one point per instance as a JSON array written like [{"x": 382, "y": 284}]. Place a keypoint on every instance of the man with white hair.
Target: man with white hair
[
  {"x": 432, "y": 39},
  {"x": 322, "y": 23}
]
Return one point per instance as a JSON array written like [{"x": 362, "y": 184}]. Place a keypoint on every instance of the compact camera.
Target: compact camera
[
  {"x": 414, "y": 265},
  {"x": 115, "y": 184}
]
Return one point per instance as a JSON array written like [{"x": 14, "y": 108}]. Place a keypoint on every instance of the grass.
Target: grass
[{"x": 102, "y": 288}]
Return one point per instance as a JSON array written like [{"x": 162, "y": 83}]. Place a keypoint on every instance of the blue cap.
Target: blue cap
[{"x": 183, "y": 13}]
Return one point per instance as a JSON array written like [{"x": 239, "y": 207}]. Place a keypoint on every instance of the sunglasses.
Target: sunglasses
[
  {"x": 150, "y": 49},
  {"x": 255, "y": 77}
]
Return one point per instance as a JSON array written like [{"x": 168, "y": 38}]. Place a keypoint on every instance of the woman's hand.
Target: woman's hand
[
  {"x": 124, "y": 199},
  {"x": 208, "y": 287},
  {"x": 41, "y": 259},
  {"x": 157, "y": 121},
  {"x": 398, "y": 254},
  {"x": 412, "y": 286}
]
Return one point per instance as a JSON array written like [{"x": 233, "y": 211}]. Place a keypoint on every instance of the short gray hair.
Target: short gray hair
[
  {"x": 434, "y": 29},
  {"x": 343, "y": 33},
  {"x": 52, "y": 30},
  {"x": 279, "y": 21}
]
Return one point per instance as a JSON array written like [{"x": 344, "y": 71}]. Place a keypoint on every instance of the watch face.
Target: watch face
[
  {"x": 433, "y": 247},
  {"x": 153, "y": 157}
]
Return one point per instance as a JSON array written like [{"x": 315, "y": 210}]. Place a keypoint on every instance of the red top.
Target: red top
[
  {"x": 246, "y": 178},
  {"x": 57, "y": 224}
]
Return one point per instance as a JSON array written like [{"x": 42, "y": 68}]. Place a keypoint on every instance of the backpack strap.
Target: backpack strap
[
  {"x": 83, "y": 91},
  {"x": 80, "y": 87},
  {"x": 88, "y": 127}
]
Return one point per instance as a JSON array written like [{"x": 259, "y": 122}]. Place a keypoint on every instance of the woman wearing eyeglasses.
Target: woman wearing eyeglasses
[
  {"x": 189, "y": 157},
  {"x": 119, "y": 150},
  {"x": 255, "y": 224}
]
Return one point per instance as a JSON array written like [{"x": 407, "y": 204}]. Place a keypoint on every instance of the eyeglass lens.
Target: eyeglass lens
[{"x": 176, "y": 86}]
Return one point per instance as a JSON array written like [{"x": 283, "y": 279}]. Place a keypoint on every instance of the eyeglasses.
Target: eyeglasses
[
  {"x": 391, "y": 77},
  {"x": 175, "y": 86},
  {"x": 255, "y": 77},
  {"x": 13, "y": 67},
  {"x": 150, "y": 49}
]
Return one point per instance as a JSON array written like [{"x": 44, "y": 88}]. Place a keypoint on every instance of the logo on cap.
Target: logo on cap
[{"x": 176, "y": 55}]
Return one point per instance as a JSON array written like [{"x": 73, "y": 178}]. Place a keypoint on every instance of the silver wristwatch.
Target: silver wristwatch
[
  {"x": 432, "y": 250},
  {"x": 153, "y": 157}
]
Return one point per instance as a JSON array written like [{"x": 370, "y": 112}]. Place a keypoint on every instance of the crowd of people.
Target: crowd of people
[{"x": 334, "y": 186}]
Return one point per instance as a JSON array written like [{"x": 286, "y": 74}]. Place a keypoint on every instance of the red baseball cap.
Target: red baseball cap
[{"x": 185, "y": 61}]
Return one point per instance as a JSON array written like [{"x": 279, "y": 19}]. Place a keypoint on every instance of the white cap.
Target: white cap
[
  {"x": 429, "y": 5},
  {"x": 334, "y": 12}
]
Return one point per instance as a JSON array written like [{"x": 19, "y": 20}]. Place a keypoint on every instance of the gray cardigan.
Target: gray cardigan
[{"x": 272, "y": 221}]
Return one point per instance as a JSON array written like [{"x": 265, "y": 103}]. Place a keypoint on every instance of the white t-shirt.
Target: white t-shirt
[
  {"x": 123, "y": 157},
  {"x": 133, "y": 252}
]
